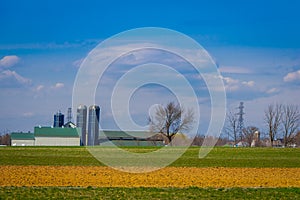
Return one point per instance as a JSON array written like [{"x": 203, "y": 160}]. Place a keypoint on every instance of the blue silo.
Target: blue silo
[
  {"x": 58, "y": 119},
  {"x": 93, "y": 125}
]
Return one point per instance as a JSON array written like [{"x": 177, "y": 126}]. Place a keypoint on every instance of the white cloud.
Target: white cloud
[
  {"x": 39, "y": 88},
  {"x": 235, "y": 84},
  {"x": 248, "y": 83},
  {"x": 272, "y": 90},
  {"x": 231, "y": 84},
  {"x": 10, "y": 78},
  {"x": 229, "y": 80},
  {"x": 8, "y": 61},
  {"x": 293, "y": 76},
  {"x": 58, "y": 86}
]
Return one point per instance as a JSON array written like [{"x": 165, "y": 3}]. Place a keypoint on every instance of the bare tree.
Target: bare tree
[
  {"x": 290, "y": 123},
  {"x": 170, "y": 120},
  {"x": 5, "y": 139},
  {"x": 297, "y": 139},
  {"x": 273, "y": 116},
  {"x": 249, "y": 134},
  {"x": 198, "y": 140},
  {"x": 231, "y": 127}
]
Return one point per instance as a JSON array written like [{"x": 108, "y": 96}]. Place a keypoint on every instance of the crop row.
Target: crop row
[{"x": 84, "y": 176}]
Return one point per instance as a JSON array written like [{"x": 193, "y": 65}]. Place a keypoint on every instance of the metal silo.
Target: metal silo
[
  {"x": 58, "y": 119},
  {"x": 93, "y": 126},
  {"x": 81, "y": 120}
]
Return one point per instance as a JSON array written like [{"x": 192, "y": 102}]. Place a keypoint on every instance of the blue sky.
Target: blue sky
[{"x": 256, "y": 45}]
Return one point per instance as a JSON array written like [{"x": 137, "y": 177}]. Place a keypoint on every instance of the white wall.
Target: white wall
[
  {"x": 57, "y": 141},
  {"x": 22, "y": 142}
]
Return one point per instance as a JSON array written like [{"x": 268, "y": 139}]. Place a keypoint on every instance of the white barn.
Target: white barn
[
  {"x": 22, "y": 139},
  {"x": 56, "y": 136}
]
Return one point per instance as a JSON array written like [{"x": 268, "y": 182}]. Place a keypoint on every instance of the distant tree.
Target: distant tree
[
  {"x": 170, "y": 120},
  {"x": 231, "y": 127},
  {"x": 290, "y": 122},
  {"x": 297, "y": 139},
  {"x": 198, "y": 140},
  {"x": 221, "y": 141},
  {"x": 273, "y": 116},
  {"x": 248, "y": 134},
  {"x": 5, "y": 139}
]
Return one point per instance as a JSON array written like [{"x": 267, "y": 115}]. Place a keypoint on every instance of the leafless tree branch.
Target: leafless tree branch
[
  {"x": 290, "y": 123},
  {"x": 170, "y": 120},
  {"x": 273, "y": 116},
  {"x": 231, "y": 127}
]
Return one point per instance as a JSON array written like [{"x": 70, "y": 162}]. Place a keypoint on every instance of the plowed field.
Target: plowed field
[{"x": 98, "y": 176}]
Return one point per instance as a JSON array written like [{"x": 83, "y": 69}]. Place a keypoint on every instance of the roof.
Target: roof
[
  {"x": 56, "y": 132},
  {"x": 129, "y": 138},
  {"x": 21, "y": 136},
  {"x": 70, "y": 125},
  {"x": 132, "y": 143},
  {"x": 115, "y": 134}
]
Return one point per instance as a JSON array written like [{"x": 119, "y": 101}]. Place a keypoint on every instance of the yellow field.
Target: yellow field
[{"x": 167, "y": 177}]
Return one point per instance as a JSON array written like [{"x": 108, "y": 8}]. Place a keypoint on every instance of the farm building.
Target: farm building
[
  {"x": 22, "y": 139},
  {"x": 129, "y": 138},
  {"x": 60, "y": 136},
  {"x": 69, "y": 125},
  {"x": 56, "y": 136}
]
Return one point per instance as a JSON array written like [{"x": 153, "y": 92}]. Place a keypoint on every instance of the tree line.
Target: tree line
[{"x": 281, "y": 121}]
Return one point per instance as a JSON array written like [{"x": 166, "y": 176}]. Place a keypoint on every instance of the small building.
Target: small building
[
  {"x": 241, "y": 144},
  {"x": 22, "y": 139},
  {"x": 70, "y": 125},
  {"x": 129, "y": 138},
  {"x": 278, "y": 142},
  {"x": 56, "y": 136}
]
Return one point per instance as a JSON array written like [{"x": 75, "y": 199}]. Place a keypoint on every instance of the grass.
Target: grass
[
  {"x": 61, "y": 156},
  {"x": 147, "y": 193},
  {"x": 242, "y": 157},
  {"x": 218, "y": 157}
]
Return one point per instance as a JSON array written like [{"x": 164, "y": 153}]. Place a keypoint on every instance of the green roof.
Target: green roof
[
  {"x": 21, "y": 136},
  {"x": 132, "y": 143},
  {"x": 123, "y": 134},
  {"x": 128, "y": 138},
  {"x": 56, "y": 132}
]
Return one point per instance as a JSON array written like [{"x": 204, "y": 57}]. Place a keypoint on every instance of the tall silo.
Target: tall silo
[
  {"x": 58, "y": 119},
  {"x": 93, "y": 126},
  {"x": 81, "y": 121}
]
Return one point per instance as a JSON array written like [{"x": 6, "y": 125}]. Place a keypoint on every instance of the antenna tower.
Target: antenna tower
[{"x": 241, "y": 119}]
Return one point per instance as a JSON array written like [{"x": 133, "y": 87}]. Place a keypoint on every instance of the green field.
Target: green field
[
  {"x": 218, "y": 157},
  {"x": 148, "y": 193}
]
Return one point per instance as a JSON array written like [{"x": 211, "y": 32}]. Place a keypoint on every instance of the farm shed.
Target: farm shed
[
  {"x": 22, "y": 139},
  {"x": 129, "y": 138},
  {"x": 56, "y": 136}
]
